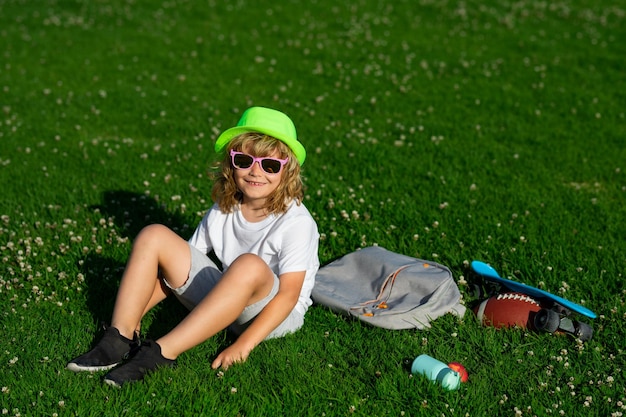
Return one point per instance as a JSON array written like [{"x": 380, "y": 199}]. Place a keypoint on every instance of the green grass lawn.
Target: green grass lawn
[{"x": 444, "y": 130}]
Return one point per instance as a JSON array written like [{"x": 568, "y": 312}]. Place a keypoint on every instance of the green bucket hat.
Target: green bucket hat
[{"x": 268, "y": 121}]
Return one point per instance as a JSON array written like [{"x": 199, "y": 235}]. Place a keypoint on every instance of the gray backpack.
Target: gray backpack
[{"x": 386, "y": 289}]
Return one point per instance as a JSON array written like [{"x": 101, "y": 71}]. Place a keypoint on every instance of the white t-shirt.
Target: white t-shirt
[{"x": 286, "y": 242}]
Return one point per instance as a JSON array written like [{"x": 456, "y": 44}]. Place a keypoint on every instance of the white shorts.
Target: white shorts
[{"x": 204, "y": 275}]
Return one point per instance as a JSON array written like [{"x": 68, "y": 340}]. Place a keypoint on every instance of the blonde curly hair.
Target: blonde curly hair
[{"x": 225, "y": 191}]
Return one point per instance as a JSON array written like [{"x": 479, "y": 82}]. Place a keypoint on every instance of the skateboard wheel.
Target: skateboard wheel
[
  {"x": 583, "y": 331},
  {"x": 547, "y": 320}
]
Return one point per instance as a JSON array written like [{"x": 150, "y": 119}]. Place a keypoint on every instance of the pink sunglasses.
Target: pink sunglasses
[{"x": 242, "y": 160}]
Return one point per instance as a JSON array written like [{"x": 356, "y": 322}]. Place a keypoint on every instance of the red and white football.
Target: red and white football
[{"x": 508, "y": 310}]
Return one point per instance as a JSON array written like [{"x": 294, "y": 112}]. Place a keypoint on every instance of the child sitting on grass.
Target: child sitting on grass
[{"x": 265, "y": 239}]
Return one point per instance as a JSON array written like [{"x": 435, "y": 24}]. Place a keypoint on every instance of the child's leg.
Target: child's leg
[
  {"x": 156, "y": 247},
  {"x": 248, "y": 280}
]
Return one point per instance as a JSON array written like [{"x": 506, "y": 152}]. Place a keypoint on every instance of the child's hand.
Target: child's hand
[{"x": 235, "y": 353}]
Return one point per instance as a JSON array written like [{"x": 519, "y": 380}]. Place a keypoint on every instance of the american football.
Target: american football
[{"x": 508, "y": 310}]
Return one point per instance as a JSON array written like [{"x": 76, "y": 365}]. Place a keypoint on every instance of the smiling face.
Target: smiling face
[
  {"x": 254, "y": 189},
  {"x": 255, "y": 184}
]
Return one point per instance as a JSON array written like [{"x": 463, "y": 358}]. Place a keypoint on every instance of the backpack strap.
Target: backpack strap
[{"x": 379, "y": 303}]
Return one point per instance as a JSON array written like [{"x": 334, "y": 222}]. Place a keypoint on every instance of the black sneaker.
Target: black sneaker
[
  {"x": 111, "y": 350},
  {"x": 147, "y": 359}
]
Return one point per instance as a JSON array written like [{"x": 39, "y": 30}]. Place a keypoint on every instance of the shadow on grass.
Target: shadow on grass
[{"x": 131, "y": 213}]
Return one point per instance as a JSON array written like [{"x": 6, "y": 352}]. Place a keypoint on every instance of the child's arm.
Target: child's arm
[{"x": 274, "y": 313}]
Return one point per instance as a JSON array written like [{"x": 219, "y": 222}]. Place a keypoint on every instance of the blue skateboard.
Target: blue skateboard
[{"x": 552, "y": 319}]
